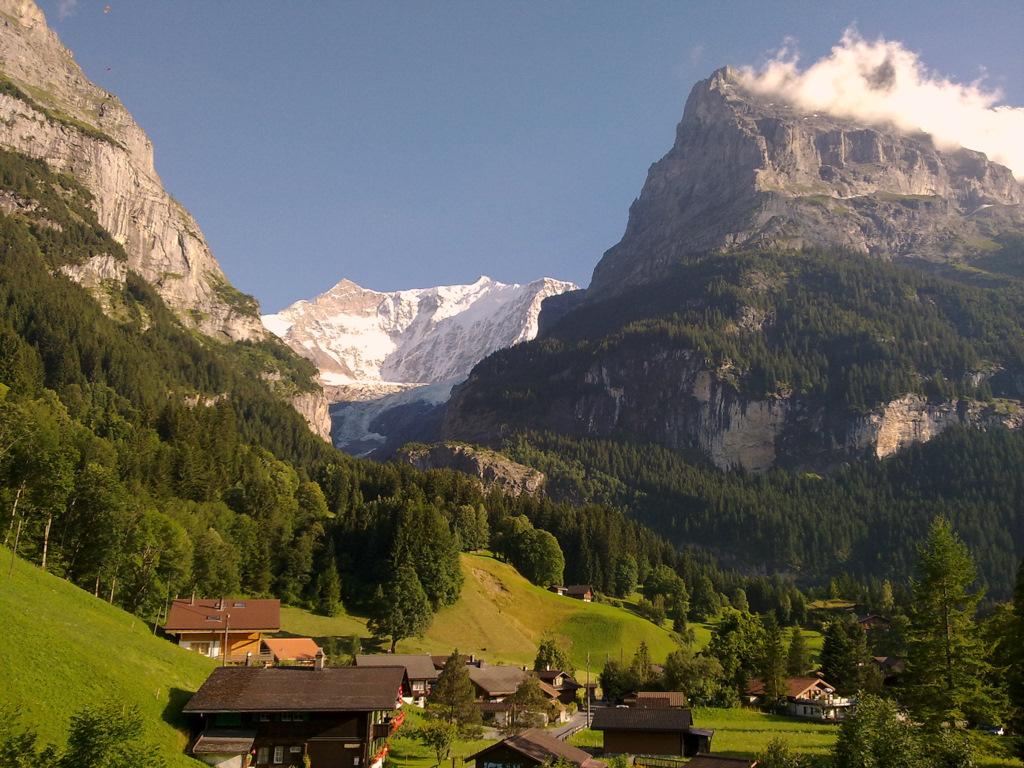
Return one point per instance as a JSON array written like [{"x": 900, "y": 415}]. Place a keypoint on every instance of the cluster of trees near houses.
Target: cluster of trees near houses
[{"x": 962, "y": 669}]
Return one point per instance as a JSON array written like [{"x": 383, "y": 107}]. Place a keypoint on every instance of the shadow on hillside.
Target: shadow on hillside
[{"x": 172, "y": 714}]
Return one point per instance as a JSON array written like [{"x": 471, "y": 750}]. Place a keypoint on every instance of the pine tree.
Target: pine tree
[
  {"x": 551, "y": 656},
  {"x": 798, "y": 660},
  {"x": 946, "y": 660},
  {"x": 773, "y": 662},
  {"x": 452, "y": 697}
]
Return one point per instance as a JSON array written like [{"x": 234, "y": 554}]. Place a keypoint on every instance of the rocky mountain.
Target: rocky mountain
[
  {"x": 748, "y": 170},
  {"x": 388, "y": 360},
  {"x": 51, "y": 111},
  {"x": 757, "y": 311}
]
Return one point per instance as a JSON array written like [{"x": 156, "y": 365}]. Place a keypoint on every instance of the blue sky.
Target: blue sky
[{"x": 410, "y": 144}]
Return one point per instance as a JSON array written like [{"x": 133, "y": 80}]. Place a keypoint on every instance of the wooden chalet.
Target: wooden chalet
[
  {"x": 873, "y": 621},
  {"x": 657, "y": 700},
  {"x": 494, "y": 683},
  {"x": 421, "y": 674},
  {"x": 221, "y": 628},
  {"x": 635, "y": 731},
  {"x": 530, "y": 749},
  {"x": 809, "y": 697},
  {"x": 562, "y": 682},
  {"x": 583, "y": 592},
  {"x": 282, "y": 716}
]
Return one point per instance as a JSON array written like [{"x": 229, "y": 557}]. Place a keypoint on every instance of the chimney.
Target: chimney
[
  {"x": 319, "y": 659},
  {"x": 248, "y": 659},
  {"x": 220, "y": 604},
  {"x": 472, "y": 658},
  {"x": 193, "y": 600}
]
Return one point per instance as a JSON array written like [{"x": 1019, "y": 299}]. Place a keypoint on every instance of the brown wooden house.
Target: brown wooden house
[
  {"x": 277, "y": 716},
  {"x": 419, "y": 669},
  {"x": 530, "y": 749},
  {"x": 650, "y": 732},
  {"x": 562, "y": 682},
  {"x": 222, "y": 628}
]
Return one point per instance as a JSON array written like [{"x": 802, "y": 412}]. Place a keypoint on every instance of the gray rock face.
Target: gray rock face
[
  {"x": 749, "y": 172},
  {"x": 88, "y": 134},
  {"x": 492, "y": 469}
]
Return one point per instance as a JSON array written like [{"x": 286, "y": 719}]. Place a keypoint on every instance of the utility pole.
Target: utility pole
[
  {"x": 588, "y": 689},
  {"x": 227, "y": 622}
]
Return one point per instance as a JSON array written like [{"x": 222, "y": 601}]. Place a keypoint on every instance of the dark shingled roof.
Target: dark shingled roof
[
  {"x": 618, "y": 719},
  {"x": 498, "y": 680},
  {"x": 298, "y": 689},
  {"x": 209, "y": 615},
  {"x": 544, "y": 748},
  {"x": 418, "y": 666},
  {"x": 660, "y": 700},
  {"x": 224, "y": 742},
  {"x": 720, "y": 761}
]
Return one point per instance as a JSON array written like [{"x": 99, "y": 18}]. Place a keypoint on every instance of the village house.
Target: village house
[
  {"x": 809, "y": 697},
  {"x": 873, "y": 621},
  {"x": 494, "y": 683},
  {"x": 221, "y": 628},
  {"x": 421, "y": 674},
  {"x": 636, "y": 731},
  {"x": 284, "y": 716},
  {"x": 657, "y": 700},
  {"x": 530, "y": 749},
  {"x": 563, "y": 684},
  {"x": 583, "y": 592}
]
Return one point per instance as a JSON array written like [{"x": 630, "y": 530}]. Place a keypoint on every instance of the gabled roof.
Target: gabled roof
[
  {"x": 497, "y": 681},
  {"x": 418, "y": 666},
  {"x": 543, "y": 748},
  {"x": 796, "y": 687},
  {"x": 629, "y": 719},
  {"x": 212, "y": 615},
  {"x": 578, "y": 589},
  {"x": 660, "y": 700},
  {"x": 298, "y": 689},
  {"x": 291, "y": 648}
]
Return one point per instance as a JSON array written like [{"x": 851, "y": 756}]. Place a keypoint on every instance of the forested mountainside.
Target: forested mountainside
[
  {"x": 799, "y": 295},
  {"x": 140, "y": 459}
]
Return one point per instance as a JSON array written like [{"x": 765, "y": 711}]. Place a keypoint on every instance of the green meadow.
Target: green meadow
[{"x": 67, "y": 648}]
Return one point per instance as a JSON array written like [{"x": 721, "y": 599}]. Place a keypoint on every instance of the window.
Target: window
[
  {"x": 262, "y": 755},
  {"x": 239, "y": 605},
  {"x": 295, "y": 750},
  {"x": 264, "y": 717},
  {"x": 278, "y": 755}
]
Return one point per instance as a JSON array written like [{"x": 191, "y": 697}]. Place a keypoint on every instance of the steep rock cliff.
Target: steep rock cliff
[
  {"x": 50, "y": 110},
  {"x": 747, "y": 170},
  {"x": 492, "y": 469}
]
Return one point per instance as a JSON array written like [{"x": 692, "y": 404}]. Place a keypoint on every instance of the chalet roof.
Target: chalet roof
[
  {"x": 224, "y": 741},
  {"x": 796, "y": 687},
  {"x": 660, "y": 700},
  {"x": 298, "y": 689},
  {"x": 578, "y": 589},
  {"x": 209, "y": 615},
  {"x": 418, "y": 666},
  {"x": 630, "y": 719},
  {"x": 550, "y": 675},
  {"x": 291, "y": 648},
  {"x": 440, "y": 661},
  {"x": 549, "y": 690},
  {"x": 720, "y": 761},
  {"x": 543, "y": 748},
  {"x": 498, "y": 680}
]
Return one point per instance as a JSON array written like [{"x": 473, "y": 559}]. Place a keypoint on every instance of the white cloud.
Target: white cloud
[
  {"x": 66, "y": 8},
  {"x": 883, "y": 82}
]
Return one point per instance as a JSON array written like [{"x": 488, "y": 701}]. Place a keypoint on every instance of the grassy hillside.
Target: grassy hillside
[
  {"x": 502, "y": 616},
  {"x": 70, "y": 648}
]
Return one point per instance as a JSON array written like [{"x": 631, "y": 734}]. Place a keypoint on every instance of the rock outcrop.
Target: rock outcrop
[
  {"x": 50, "y": 110},
  {"x": 749, "y": 171},
  {"x": 492, "y": 469}
]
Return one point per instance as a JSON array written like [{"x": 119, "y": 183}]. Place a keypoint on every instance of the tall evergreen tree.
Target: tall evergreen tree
[
  {"x": 773, "y": 661},
  {"x": 550, "y": 655},
  {"x": 452, "y": 696},
  {"x": 946, "y": 662},
  {"x": 798, "y": 659}
]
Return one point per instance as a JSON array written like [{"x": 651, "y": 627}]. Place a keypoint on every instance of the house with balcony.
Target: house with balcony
[
  {"x": 227, "y": 629},
  {"x": 421, "y": 674},
  {"x": 809, "y": 697},
  {"x": 249, "y": 717}
]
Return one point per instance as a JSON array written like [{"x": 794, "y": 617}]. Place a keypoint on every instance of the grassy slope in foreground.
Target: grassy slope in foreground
[
  {"x": 502, "y": 616},
  {"x": 70, "y": 649}
]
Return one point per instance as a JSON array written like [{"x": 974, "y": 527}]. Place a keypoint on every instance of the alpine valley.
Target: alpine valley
[{"x": 807, "y": 347}]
